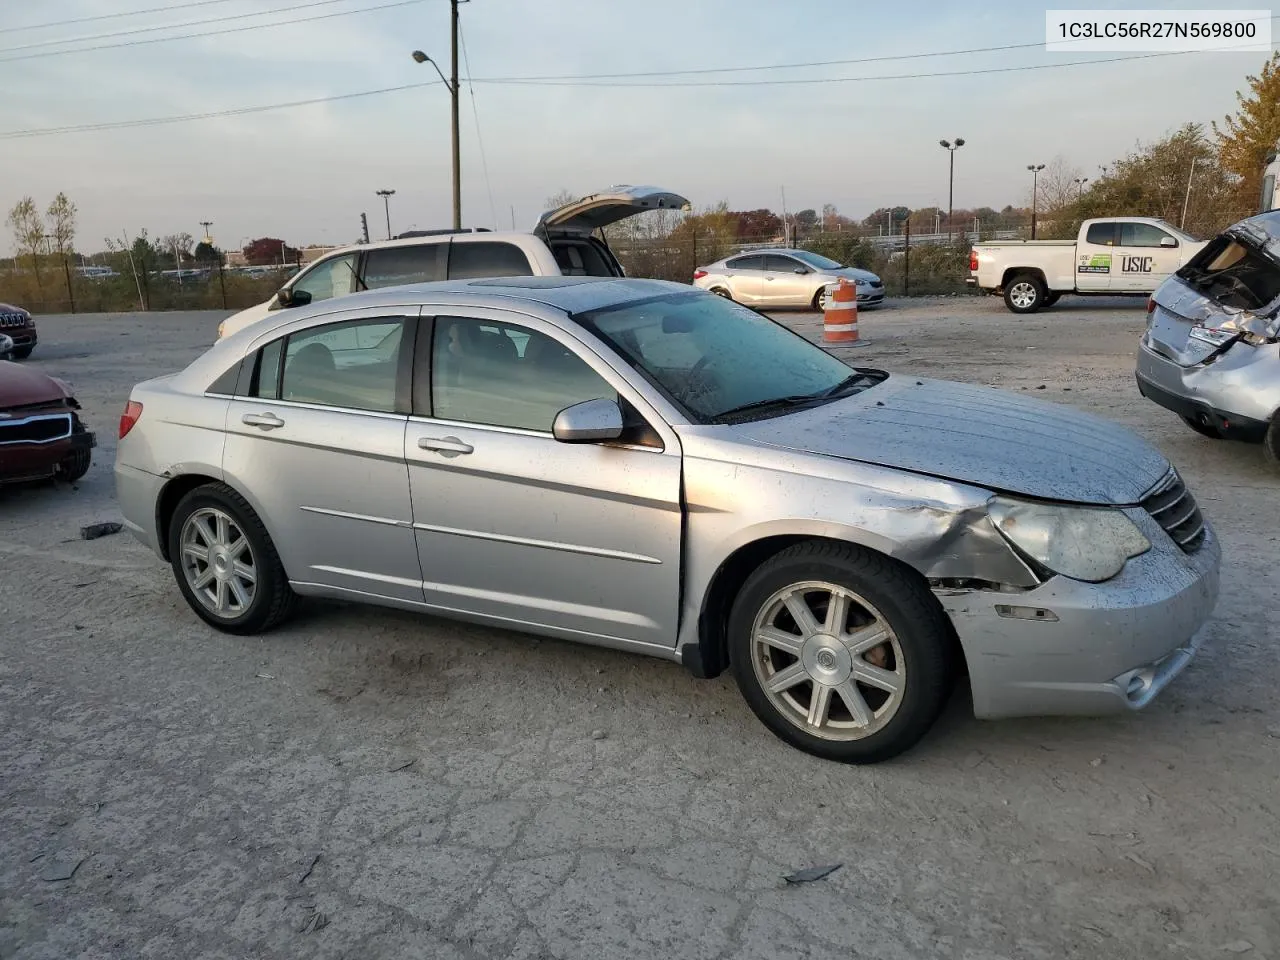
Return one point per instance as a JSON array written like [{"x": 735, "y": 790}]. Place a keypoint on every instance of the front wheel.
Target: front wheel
[
  {"x": 225, "y": 563},
  {"x": 75, "y": 466},
  {"x": 820, "y": 300},
  {"x": 21, "y": 353},
  {"x": 840, "y": 652},
  {"x": 1025, "y": 293}
]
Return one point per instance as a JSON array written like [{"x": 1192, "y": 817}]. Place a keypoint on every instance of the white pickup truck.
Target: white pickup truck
[{"x": 1111, "y": 256}]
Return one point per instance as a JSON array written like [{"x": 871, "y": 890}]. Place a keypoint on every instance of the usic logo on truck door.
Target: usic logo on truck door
[
  {"x": 1136, "y": 264},
  {"x": 1097, "y": 263}
]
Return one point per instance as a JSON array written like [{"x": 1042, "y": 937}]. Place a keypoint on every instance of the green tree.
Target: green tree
[
  {"x": 1245, "y": 138},
  {"x": 61, "y": 217},
  {"x": 206, "y": 253},
  {"x": 28, "y": 233}
]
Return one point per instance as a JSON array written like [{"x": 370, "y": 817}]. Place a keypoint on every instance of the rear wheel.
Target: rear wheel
[
  {"x": 1202, "y": 428},
  {"x": 225, "y": 563},
  {"x": 840, "y": 652},
  {"x": 722, "y": 292},
  {"x": 1271, "y": 442},
  {"x": 1025, "y": 293}
]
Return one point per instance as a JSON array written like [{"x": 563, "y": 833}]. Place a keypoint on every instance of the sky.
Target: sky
[{"x": 306, "y": 173}]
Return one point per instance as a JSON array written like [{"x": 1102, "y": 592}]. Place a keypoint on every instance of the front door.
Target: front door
[
  {"x": 783, "y": 286},
  {"x": 1095, "y": 257},
  {"x": 518, "y": 527},
  {"x": 320, "y": 444},
  {"x": 1147, "y": 256}
]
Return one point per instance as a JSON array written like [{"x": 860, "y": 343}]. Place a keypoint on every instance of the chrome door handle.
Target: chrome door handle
[
  {"x": 267, "y": 421},
  {"x": 445, "y": 446}
]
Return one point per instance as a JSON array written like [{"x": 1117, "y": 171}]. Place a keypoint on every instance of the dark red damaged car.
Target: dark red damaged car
[{"x": 41, "y": 433}]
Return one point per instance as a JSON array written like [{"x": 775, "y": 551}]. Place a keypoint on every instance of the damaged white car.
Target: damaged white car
[{"x": 1210, "y": 351}]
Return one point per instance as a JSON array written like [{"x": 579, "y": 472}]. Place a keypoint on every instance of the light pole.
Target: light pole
[
  {"x": 1187, "y": 198},
  {"x": 386, "y": 196},
  {"x": 1080, "y": 182},
  {"x": 452, "y": 87},
  {"x": 1035, "y": 169},
  {"x": 207, "y": 224},
  {"x": 951, "y": 148}
]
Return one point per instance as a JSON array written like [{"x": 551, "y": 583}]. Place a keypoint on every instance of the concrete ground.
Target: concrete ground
[{"x": 370, "y": 784}]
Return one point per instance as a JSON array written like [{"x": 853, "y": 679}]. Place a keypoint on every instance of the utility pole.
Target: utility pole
[
  {"x": 386, "y": 196},
  {"x": 951, "y": 185},
  {"x": 1187, "y": 199},
  {"x": 452, "y": 86},
  {"x": 1035, "y": 169},
  {"x": 364, "y": 227}
]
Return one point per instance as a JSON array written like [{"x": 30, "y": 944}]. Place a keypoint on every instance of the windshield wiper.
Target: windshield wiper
[
  {"x": 792, "y": 401},
  {"x": 853, "y": 380}
]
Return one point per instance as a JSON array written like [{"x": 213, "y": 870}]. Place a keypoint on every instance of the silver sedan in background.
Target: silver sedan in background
[
  {"x": 785, "y": 278},
  {"x": 609, "y": 461}
]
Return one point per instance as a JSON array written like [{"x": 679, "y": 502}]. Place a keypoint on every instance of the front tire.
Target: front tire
[
  {"x": 21, "y": 353},
  {"x": 75, "y": 466},
  {"x": 841, "y": 652},
  {"x": 225, "y": 563},
  {"x": 820, "y": 300},
  {"x": 1025, "y": 293}
]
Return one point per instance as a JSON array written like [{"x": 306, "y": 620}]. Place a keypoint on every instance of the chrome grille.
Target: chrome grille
[
  {"x": 40, "y": 428},
  {"x": 13, "y": 320},
  {"x": 1175, "y": 509}
]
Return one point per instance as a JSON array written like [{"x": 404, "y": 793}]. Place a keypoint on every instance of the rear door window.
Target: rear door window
[
  {"x": 1101, "y": 234},
  {"x": 746, "y": 263},
  {"x": 470, "y": 261},
  {"x": 391, "y": 266}
]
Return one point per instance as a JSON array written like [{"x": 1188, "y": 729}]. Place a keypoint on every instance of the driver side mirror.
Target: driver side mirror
[
  {"x": 293, "y": 298},
  {"x": 588, "y": 422},
  {"x": 1168, "y": 242},
  {"x": 800, "y": 270}
]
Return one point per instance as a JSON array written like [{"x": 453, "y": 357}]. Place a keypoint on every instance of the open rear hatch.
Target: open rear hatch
[
  {"x": 581, "y": 217},
  {"x": 1228, "y": 291}
]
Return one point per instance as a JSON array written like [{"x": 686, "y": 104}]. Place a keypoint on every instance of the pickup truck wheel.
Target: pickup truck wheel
[
  {"x": 1204, "y": 429},
  {"x": 225, "y": 563},
  {"x": 1025, "y": 293},
  {"x": 840, "y": 652}
]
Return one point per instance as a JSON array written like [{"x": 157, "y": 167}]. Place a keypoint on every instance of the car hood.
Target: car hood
[
  {"x": 990, "y": 438},
  {"x": 851, "y": 273},
  {"x": 20, "y": 385},
  {"x": 10, "y": 308}
]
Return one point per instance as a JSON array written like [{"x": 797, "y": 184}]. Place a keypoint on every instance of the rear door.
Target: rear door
[
  {"x": 783, "y": 285},
  {"x": 746, "y": 277},
  {"x": 522, "y": 529},
  {"x": 1095, "y": 256},
  {"x": 1147, "y": 256}
]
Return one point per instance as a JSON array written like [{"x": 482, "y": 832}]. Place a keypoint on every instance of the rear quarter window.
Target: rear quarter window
[{"x": 471, "y": 261}]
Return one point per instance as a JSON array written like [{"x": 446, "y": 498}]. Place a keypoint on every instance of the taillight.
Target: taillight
[
  {"x": 699, "y": 274},
  {"x": 132, "y": 411},
  {"x": 1151, "y": 305},
  {"x": 973, "y": 259}
]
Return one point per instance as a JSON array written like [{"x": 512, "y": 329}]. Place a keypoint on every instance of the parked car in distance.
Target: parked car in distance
[
  {"x": 1209, "y": 349},
  {"x": 41, "y": 433},
  {"x": 608, "y": 461},
  {"x": 18, "y": 325},
  {"x": 785, "y": 278},
  {"x": 1111, "y": 256},
  {"x": 560, "y": 245}
]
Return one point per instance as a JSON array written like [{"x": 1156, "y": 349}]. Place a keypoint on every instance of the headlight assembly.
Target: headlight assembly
[{"x": 1084, "y": 543}]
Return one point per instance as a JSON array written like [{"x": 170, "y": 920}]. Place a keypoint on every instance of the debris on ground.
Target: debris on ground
[
  {"x": 404, "y": 766},
  {"x": 314, "y": 922},
  {"x": 1238, "y": 946},
  {"x": 307, "y": 872},
  {"x": 598, "y": 734},
  {"x": 810, "y": 874},
  {"x": 105, "y": 529},
  {"x": 265, "y": 676},
  {"x": 61, "y": 870}
]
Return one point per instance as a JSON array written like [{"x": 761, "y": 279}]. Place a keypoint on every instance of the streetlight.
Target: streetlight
[
  {"x": 951, "y": 148},
  {"x": 1080, "y": 182},
  {"x": 452, "y": 87},
  {"x": 386, "y": 196},
  {"x": 1035, "y": 169}
]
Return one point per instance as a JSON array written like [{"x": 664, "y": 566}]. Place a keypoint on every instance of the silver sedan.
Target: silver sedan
[
  {"x": 786, "y": 278},
  {"x": 609, "y": 461}
]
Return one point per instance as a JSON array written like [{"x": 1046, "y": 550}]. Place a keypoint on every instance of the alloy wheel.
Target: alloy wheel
[
  {"x": 1023, "y": 294},
  {"x": 828, "y": 661},
  {"x": 218, "y": 563}
]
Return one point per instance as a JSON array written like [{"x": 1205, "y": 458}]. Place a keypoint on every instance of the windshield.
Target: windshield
[
  {"x": 816, "y": 259},
  {"x": 712, "y": 356}
]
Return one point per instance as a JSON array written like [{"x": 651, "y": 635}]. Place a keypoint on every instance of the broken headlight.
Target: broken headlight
[{"x": 1084, "y": 543}]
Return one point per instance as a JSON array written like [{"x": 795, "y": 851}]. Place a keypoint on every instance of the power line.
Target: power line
[
  {"x": 240, "y": 111},
  {"x": 112, "y": 16},
  {"x": 168, "y": 26},
  {"x": 484, "y": 163},
  {"x": 208, "y": 33}
]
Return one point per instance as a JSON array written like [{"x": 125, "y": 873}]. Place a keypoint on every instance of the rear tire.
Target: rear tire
[
  {"x": 225, "y": 563},
  {"x": 1271, "y": 442},
  {"x": 857, "y": 683},
  {"x": 1204, "y": 429},
  {"x": 1025, "y": 293},
  {"x": 722, "y": 292}
]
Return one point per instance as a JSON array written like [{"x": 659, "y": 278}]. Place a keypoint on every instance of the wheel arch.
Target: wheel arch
[
  {"x": 1010, "y": 272},
  {"x": 179, "y": 485},
  {"x": 707, "y": 656}
]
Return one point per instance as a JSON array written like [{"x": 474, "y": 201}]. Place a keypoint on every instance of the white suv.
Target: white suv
[{"x": 560, "y": 245}]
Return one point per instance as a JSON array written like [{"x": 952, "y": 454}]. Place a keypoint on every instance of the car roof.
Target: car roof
[{"x": 502, "y": 236}]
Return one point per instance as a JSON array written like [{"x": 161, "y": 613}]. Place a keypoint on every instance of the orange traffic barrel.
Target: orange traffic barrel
[{"x": 840, "y": 319}]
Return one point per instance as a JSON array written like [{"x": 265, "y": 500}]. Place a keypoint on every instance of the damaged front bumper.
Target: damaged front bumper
[{"x": 1072, "y": 648}]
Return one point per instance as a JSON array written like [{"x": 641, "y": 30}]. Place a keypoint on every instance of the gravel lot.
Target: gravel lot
[{"x": 370, "y": 784}]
